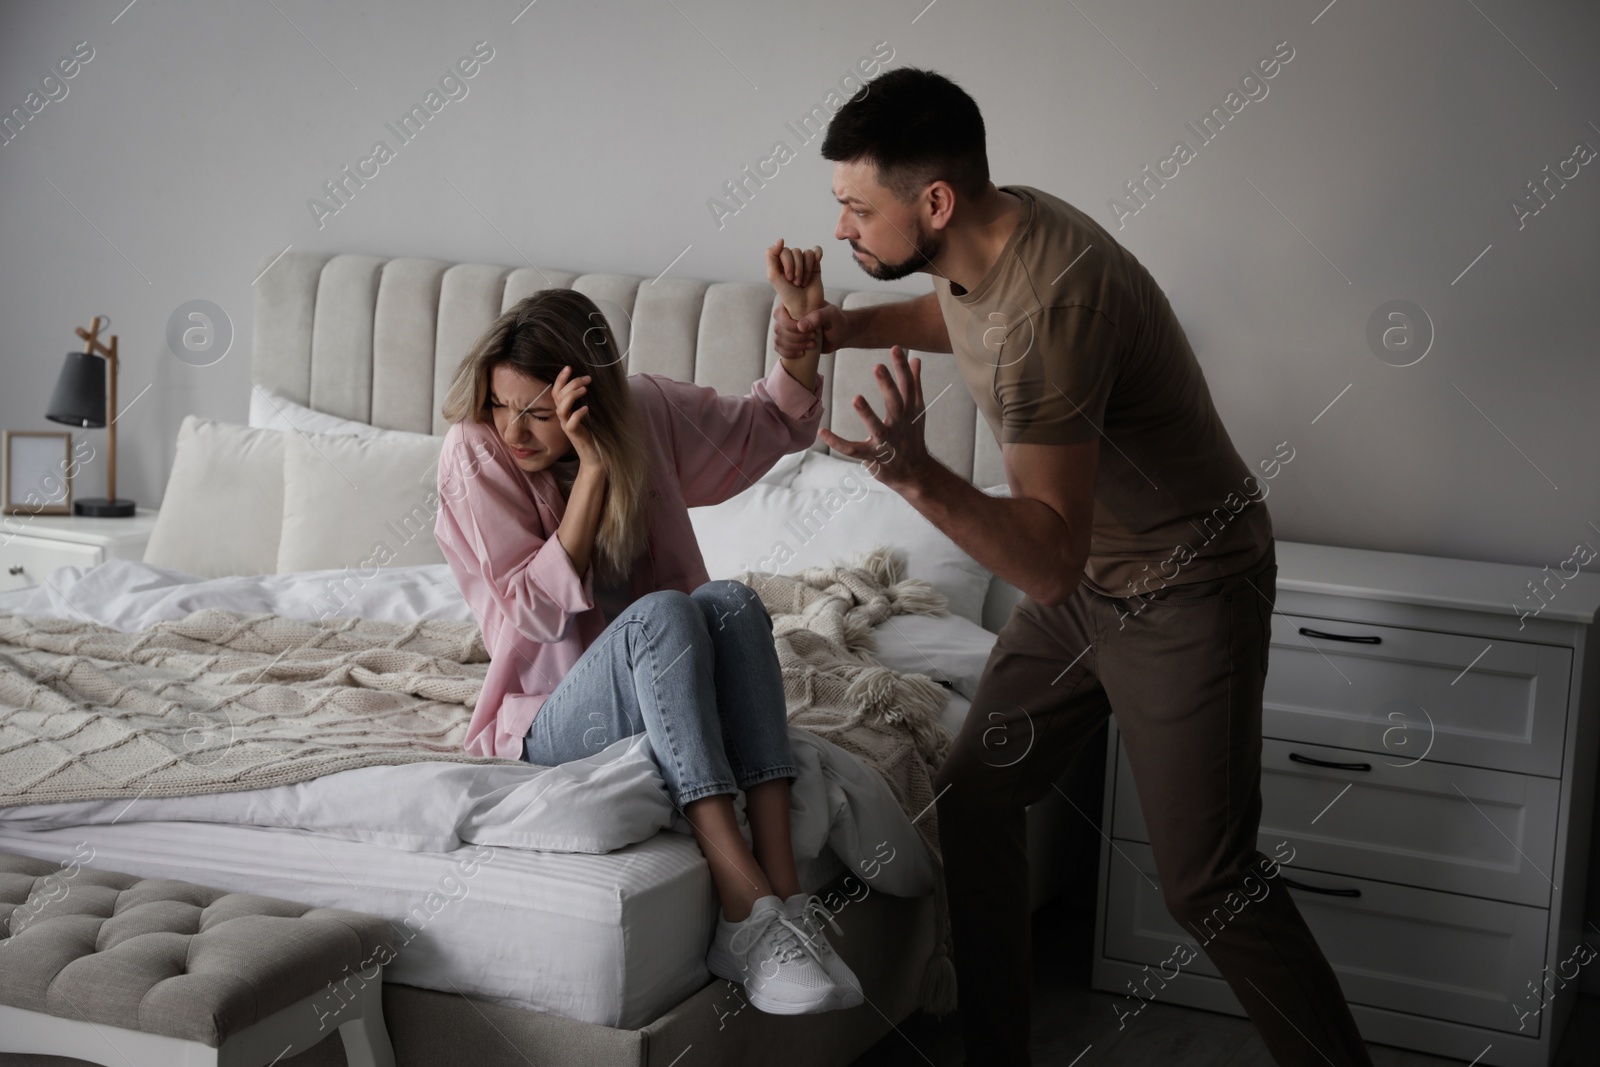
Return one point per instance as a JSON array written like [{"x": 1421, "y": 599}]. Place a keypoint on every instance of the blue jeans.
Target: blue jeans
[{"x": 698, "y": 672}]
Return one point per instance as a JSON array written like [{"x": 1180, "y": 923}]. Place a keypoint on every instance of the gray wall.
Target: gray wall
[{"x": 1381, "y": 162}]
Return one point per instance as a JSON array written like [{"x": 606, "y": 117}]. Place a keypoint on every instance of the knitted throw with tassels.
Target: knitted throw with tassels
[{"x": 822, "y": 621}]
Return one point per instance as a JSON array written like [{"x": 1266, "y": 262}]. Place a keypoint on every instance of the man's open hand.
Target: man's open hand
[{"x": 895, "y": 451}]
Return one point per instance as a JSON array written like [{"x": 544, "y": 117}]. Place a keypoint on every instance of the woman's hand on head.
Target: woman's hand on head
[{"x": 573, "y": 414}]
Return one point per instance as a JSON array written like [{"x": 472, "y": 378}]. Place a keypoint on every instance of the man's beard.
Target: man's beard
[{"x": 927, "y": 247}]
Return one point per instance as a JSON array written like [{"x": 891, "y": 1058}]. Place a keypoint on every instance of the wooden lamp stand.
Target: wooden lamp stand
[{"x": 80, "y": 400}]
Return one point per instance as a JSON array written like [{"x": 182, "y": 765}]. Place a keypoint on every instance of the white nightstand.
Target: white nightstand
[
  {"x": 1430, "y": 757},
  {"x": 31, "y": 546}
]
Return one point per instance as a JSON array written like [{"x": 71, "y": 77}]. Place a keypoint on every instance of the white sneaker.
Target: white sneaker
[
  {"x": 807, "y": 911},
  {"x": 780, "y": 969}
]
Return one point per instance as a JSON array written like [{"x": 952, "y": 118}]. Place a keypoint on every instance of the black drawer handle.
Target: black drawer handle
[
  {"x": 1292, "y": 884},
  {"x": 1306, "y": 631},
  {"x": 1328, "y": 763}
]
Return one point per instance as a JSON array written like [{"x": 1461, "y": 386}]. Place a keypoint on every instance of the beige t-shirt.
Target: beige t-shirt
[{"x": 1068, "y": 337}]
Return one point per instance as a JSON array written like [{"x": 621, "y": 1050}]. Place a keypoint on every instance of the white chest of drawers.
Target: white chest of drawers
[
  {"x": 1430, "y": 756},
  {"x": 31, "y": 546}
]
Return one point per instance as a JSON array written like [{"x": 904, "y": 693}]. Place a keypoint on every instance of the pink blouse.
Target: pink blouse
[{"x": 496, "y": 522}]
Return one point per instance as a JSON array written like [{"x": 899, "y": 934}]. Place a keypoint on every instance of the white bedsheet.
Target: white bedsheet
[
  {"x": 595, "y": 805},
  {"x": 422, "y": 807}
]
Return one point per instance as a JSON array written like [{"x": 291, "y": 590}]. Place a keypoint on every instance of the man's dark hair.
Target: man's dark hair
[{"x": 915, "y": 126}]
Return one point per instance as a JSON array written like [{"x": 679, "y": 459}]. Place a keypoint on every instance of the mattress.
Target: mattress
[{"x": 615, "y": 938}]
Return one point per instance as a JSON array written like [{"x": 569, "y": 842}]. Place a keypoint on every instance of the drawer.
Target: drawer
[
  {"x": 1395, "y": 947},
  {"x": 33, "y": 558},
  {"x": 1405, "y": 693},
  {"x": 1434, "y": 825}
]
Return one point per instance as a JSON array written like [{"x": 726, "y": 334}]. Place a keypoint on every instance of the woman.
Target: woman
[{"x": 564, "y": 486}]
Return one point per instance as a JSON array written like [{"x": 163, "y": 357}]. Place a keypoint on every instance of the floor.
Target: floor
[{"x": 1074, "y": 1026}]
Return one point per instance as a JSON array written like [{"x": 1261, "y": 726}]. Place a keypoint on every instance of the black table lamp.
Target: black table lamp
[{"x": 80, "y": 399}]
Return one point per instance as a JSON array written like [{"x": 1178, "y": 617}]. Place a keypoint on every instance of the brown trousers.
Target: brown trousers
[{"x": 1183, "y": 671}]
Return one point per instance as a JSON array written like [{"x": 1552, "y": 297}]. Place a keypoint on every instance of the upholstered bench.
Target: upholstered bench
[{"x": 152, "y": 972}]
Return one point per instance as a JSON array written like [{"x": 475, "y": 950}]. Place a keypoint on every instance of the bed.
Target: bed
[{"x": 515, "y": 952}]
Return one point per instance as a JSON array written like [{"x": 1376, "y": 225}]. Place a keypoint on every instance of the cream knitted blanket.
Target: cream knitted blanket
[{"x": 222, "y": 701}]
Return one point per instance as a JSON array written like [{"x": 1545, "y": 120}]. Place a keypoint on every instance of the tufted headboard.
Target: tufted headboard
[{"x": 377, "y": 340}]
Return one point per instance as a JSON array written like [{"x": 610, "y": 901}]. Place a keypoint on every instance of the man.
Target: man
[{"x": 1133, "y": 527}]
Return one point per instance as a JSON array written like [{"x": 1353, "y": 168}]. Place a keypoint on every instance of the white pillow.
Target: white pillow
[
  {"x": 948, "y": 649},
  {"x": 270, "y": 411},
  {"x": 356, "y": 503},
  {"x": 223, "y": 506},
  {"x": 823, "y": 471},
  {"x": 783, "y": 531}
]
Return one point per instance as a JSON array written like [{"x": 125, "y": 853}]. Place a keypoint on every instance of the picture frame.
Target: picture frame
[{"x": 31, "y": 462}]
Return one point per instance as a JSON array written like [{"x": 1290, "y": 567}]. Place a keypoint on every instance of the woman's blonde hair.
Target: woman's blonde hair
[{"x": 538, "y": 336}]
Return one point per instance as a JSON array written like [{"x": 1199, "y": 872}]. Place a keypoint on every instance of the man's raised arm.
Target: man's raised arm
[{"x": 1038, "y": 539}]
